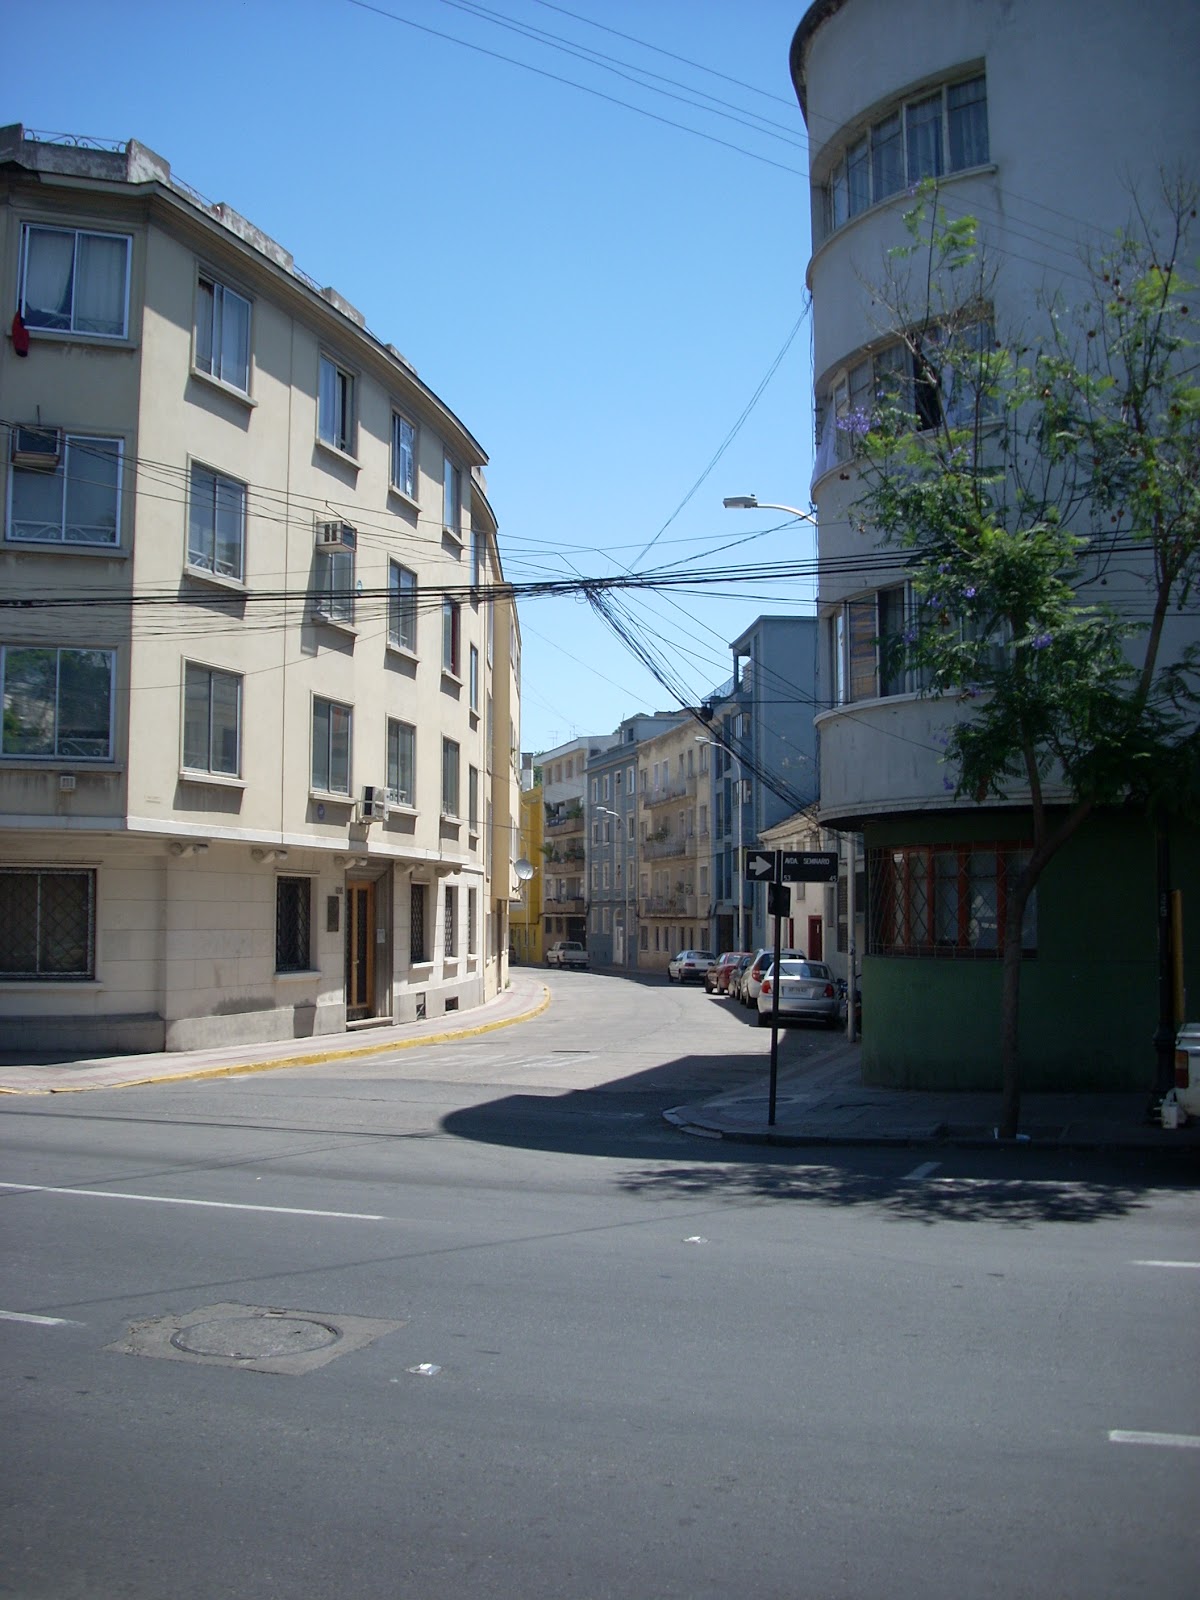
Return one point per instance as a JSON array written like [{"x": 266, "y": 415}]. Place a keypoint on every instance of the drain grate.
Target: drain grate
[{"x": 255, "y": 1338}]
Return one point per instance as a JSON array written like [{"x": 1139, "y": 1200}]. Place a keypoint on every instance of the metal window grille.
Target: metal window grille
[
  {"x": 293, "y": 924},
  {"x": 947, "y": 901},
  {"x": 416, "y": 946},
  {"x": 451, "y": 930},
  {"x": 47, "y": 925}
]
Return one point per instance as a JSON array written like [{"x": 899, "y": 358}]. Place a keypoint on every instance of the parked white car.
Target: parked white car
[
  {"x": 566, "y": 953},
  {"x": 691, "y": 964},
  {"x": 1187, "y": 1068}
]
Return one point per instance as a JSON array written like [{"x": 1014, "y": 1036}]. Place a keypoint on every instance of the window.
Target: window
[
  {"x": 212, "y": 720},
  {"x": 451, "y": 919},
  {"x": 216, "y": 524},
  {"x": 473, "y": 680},
  {"x": 335, "y": 406},
  {"x": 331, "y": 747},
  {"x": 450, "y": 784},
  {"x": 293, "y": 924},
  {"x": 945, "y": 131},
  {"x": 402, "y": 608},
  {"x": 418, "y": 948},
  {"x": 401, "y": 762},
  {"x": 223, "y": 333},
  {"x": 333, "y": 585},
  {"x": 404, "y": 456},
  {"x": 478, "y": 556},
  {"x": 47, "y": 924},
  {"x": 73, "y": 281},
  {"x": 57, "y": 703},
  {"x": 473, "y": 799},
  {"x": 452, "y": 498},
  {"x": 451, "y": 637},
  {"x": 78, "y": 503},
  {"x": 472, "y": 922},
  {"x": 945, "y": 900}
]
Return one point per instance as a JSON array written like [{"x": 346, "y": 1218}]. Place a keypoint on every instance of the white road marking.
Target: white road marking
[
  {"x": 1192, "y": 1266},
  {"x": 922, "y": 1171},
  {"x": 1173, "y": 1441},
  {"x": 41, "y": 1322},
  {"x": 215, "y": 1205}
]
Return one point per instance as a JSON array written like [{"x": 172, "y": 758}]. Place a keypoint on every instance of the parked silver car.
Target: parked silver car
[
  {"x": 753, "y": 975},
  {"x": 806, "y": 989}
]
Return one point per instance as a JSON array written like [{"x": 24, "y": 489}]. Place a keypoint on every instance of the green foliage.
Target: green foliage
[{"x": 1018, "y": 479}]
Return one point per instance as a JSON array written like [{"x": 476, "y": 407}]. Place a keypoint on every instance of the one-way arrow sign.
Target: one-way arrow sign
[{"x": 762, "y": 865}]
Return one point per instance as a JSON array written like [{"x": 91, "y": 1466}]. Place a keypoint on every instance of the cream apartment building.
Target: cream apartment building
[
  {"x": 260, "y": 677},
  {"x": 674, "y": 845}
]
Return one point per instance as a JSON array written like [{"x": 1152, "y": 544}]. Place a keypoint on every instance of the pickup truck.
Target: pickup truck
[{"x": 566, "y": 953}]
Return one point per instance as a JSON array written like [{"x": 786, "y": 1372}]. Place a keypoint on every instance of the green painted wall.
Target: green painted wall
[{"x": 1089, "y": 997}]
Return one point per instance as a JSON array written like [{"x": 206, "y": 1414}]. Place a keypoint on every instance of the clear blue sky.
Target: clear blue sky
[{"x": 596, "y": 293}]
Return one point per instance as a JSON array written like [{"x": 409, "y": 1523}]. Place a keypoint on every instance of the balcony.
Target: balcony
[
  {"x": 668, "y": 905},
  {"x": 676, "y": 789},
  {"x": 569, "y": 906},
  {"x": 564, "y": 827},
  {"x": 663, "y": 849}
]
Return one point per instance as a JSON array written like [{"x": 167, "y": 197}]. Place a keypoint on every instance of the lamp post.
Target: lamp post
[
  {"x": 751, "y": 502},
  {"x": 606, "y": 812},
  {"x": 741, "y": 863}
]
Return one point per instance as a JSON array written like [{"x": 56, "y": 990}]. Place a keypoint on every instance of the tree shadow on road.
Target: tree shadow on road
[{"x": 1017, "y": 1201}]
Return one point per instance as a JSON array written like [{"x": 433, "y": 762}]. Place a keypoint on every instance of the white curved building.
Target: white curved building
[{"x": 1043, "y": 119}]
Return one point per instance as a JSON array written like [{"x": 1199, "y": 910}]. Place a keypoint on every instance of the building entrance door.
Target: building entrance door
[
  {"x": 816, "y": 948},
  {"x": 360, "y": 950}
]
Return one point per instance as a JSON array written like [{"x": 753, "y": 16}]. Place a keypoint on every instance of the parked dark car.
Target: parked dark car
[{"x": 716, "y": 979}]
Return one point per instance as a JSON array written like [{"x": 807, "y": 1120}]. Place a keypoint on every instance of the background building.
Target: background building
[
  {"x": 259, "y": 713},
  {"x": 1009, "y": 104}
]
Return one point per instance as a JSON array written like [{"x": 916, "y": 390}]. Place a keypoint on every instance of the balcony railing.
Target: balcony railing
[
  {"x": 668, "y": 905},
  {"x": 559, "y": 826},
  {"x": 674, "y": 789},
  {"x": 664, "y": 849},
  {"x": 569, "y": 906}
]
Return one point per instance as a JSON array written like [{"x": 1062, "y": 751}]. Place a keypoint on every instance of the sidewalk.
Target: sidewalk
[
  {"x": 823, "y": 1101},
  {"x": 525, "y": 997}
]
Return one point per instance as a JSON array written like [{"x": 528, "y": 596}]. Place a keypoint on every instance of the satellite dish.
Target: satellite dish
[{"x": 524, "y": 869}]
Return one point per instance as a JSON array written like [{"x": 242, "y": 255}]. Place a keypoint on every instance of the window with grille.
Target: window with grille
[
  {"x": 945, "y": 900},
  {"x": 472, "y": 922},
  {"x": 451, "y": 922},
  {"x": 418, "y": 950},
  {"x": 47, "y": 925},
  {"x": 293, "y": 924}
]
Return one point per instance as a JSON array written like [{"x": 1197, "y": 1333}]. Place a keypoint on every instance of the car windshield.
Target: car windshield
[{"x": 804, "y": 969}]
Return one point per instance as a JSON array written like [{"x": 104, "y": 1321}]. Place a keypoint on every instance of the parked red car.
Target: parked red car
[{"x": 716, "y": 979}]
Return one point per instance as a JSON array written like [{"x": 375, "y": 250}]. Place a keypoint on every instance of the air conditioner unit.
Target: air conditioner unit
[
  {"x": 336, "y": 536},
  {"x": 39, "y": 449},
  {"x": 374, "y": 803}
]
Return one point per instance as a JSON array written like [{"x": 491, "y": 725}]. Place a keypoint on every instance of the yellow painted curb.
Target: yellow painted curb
[{"x": 311, "y": 1059}]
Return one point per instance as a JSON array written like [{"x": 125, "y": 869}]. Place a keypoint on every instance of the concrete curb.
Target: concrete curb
[
  {"x": 307, "y": 1059},
  {"x": 942, "y": 1138}
]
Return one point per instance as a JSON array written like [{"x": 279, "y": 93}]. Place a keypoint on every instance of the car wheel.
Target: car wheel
[{"x": 764, "y": 1019}]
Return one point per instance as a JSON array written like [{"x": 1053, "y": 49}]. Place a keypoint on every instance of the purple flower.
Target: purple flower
[
  {"x": 1041, "y": 640},
  {"x": 855, "y": 422},
  {"x": 947, "y": 785},
  {"x": 910, "y": 636},
  {"x": 969, "y": 591}
]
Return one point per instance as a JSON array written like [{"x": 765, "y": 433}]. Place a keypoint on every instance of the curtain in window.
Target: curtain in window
[
  {"x": 923, "y": 129},
  {"x": 966, "y": 105},
  {"x": 100, "y": 284},
  {"x": 49, "y": 270},
  {"x": 92, "y": 471}
]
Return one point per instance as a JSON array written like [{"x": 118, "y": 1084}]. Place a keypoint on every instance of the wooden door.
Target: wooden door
[{"x": 360, "y": 950}]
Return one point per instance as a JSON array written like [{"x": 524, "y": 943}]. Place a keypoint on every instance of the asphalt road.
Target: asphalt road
[{"x": 529, "y": 1341}]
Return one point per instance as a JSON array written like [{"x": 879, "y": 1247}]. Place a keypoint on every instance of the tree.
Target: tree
[{"x": 1020, "y": 474}]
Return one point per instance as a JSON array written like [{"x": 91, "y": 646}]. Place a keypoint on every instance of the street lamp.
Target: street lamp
[
  {"x": 751, "y": 502},
  {"x": 741, "y": 864},
  {"x": 606, "y": 812}
]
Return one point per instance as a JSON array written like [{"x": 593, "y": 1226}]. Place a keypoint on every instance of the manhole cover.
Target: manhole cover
[{"x": 255, "y": 1338}]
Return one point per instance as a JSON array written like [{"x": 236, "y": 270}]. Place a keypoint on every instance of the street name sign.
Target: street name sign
[{"x": 808, "y": 866}]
